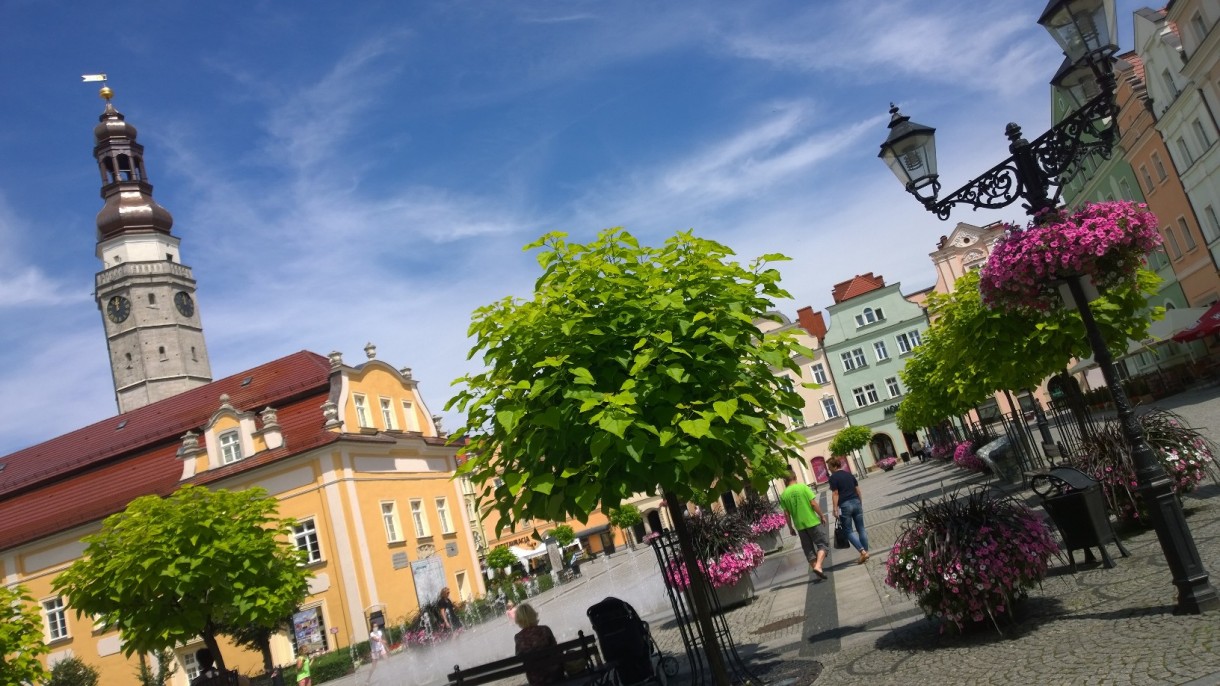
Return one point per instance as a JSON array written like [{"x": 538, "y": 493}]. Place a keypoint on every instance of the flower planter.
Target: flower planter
[
  {"x": 735, "y": 595},
  {"x": 1087, "y": 284},
  {"x": 768, "y": 541}
]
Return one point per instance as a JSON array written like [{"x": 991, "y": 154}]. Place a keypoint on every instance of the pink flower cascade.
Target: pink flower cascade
[
  {"x": 1107, "y": 241},
  {"x": 964, "y": 457},
  {"x": 887, "y": 462},
  {"x": 770, "y": 522},
  {"x": 974, "y": 579},
  {"x": 725, "y": 570}
]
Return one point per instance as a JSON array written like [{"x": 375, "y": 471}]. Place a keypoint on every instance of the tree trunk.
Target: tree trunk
[
  {"x": 209, "y": 639},
  {"x": 700, "y": 592},
  {"x": 264, "y": 647}
]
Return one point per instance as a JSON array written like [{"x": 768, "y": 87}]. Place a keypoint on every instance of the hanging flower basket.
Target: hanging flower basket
[
  {"x": 1106, "y": 241},
  {"x": 966, "y": 560}
]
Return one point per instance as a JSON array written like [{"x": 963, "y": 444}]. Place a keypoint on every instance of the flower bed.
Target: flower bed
[
  {"x": 1186, "y": 455},
  {"x": 942, "y": 451},
  {"x": 768, "y": 523},
  {"x": 724, "y": 570},
  {"x": 964, "y": 457},
  {"x": 967, "y": 559},
  {"x": 887, "y": 463},
  {"x": 1107, "y": 241}
]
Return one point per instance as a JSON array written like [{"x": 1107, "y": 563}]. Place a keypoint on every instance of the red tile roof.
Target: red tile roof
[
  {"x": 96, "y": 471},
  {"x": 858, "y": 285},
  {"x": 168, "y": 419}
]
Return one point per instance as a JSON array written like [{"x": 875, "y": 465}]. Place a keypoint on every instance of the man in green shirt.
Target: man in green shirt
[{"x": 800, "y": 506}]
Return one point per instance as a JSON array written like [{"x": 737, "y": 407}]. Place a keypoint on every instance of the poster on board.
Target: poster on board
[{"x": 308, "y": 630}]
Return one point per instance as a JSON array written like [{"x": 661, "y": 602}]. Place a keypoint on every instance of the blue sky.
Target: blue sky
[{"x": 341, "y": 173}]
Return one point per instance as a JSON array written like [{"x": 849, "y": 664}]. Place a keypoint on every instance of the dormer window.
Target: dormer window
[
  {"x": 869, "y": 316},
  {"x": 362, "y": 411},
  {"x": 230, "y": 447}
]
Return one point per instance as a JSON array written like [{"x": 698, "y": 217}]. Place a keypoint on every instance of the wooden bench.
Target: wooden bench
[{"x": 581, "y": 651}]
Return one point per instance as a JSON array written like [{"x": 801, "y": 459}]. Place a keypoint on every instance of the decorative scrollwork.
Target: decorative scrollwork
[{"x": 1058, "y": 156}]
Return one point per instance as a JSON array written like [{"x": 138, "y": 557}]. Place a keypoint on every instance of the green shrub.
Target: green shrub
[
  {"x": 546, "y": 582},
  {"x": 73, "y": 671},
  {"x": 329, "y": 666}
]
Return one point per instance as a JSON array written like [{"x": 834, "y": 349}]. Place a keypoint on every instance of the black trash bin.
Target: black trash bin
[{"x": 1076, "y": 504}]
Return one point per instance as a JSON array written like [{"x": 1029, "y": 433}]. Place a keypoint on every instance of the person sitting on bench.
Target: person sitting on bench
[{"x": 536, "y": 638}]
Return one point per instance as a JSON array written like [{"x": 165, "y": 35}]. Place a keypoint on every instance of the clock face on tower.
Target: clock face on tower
[
  {"x": 117, "y": 308},
  {"x": 182, "y": 300}
]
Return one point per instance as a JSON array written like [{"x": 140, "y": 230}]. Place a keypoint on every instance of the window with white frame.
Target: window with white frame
[
  {"x": 1200, "y": 28},
  {"x": 387, "y": 414},
  {"x": 420, "y": 519},
  {"x": 865, "y": 395},
  {"x": 1171, "y": 243},
  {"x": 1201, "y": 134},
  {"x": 408, "y": 415},
  {"x": 1184, "y": 151},
  {"x": 1125, "y": 189},
  {"x": 230, "y": 447},
  {"x": 869, "y": 316},
  {"x": 798, "y": 422},
  {"x": 1188, "y": 238},
  {"x": 829, "y": 407},
  {"x": 916, "y": 340},
  {"x": 442, "y": 513},
  {"x": 891, "y": 384},
  {"x": 1170, "y": 85},
  {"x": 393, "y": 527},
  {"x": 1160, "y": 167},
  {"x": 853, "y": 359},
  {"x": 305, "y": 537},
  {"x": 1211, "y": 225},
  {"x": 881, "y": 352},
  {"x": 908, "y": 341},
  {"x": 870, "y": 391},
  {"x": 53, "y": 611},
  {"x": 819, "y": 372},
  {"x": 362, "y": 411},
  {"x": 189, "y": 665},
  {"x": 1148, "y": 185}
]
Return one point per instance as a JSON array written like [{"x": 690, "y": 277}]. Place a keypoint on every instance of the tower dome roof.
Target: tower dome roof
[{"x": 113, "y": 125}]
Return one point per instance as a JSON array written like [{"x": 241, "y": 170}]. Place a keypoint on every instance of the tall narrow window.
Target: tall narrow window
[
  {"x": 1199, "y": 28},
  {"x": 1170, "y": 85},
  {"x": 1171, "y": 243},
  {"x": 1148, "y": 186},
  {"x": 189, "y": 665},
  {"x": 891, "y": 384},
  {"x": 1211, "y": 224},
  {"x": 230, "y": 447},
  {"x": 1188, "y": 238},
  {"x": 871, "y": 392},
  {"x": 819, "y": 372},
  {"x": 442, "y": 513},
  {"x": 362, "y": 411},
  {"x": 393, "y": 527},
  {"x": 1161, "y": 174},
  {"x": 829, "y": 408},
  {"x": 1184, "y": 151},
  {"x": 305, "y": 537},
  {"x": 56, "y": 618},
  {"x": 881, "y": 352},
  {"x": 408, "y": 416},
  {"x": 861, "y": 398},
  {"x": 387, "y": 414},
  {"x": 419, "y": 519},
  {"x": 1201, "y": 134}
]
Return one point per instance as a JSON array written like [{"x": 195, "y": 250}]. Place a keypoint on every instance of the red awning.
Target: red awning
[{"x": 1207, "y": 325}]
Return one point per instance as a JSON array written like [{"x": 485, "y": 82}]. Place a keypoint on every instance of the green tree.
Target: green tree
[
  {"x": 625, "y": 517},
  {"x": 850, "y": 439},
  {"x": 971, "y": 351},
  {"x": 21, "y": 639},
  {"x": 630, "y": 369},
  {"x": 166, "y": 666},
  {"x": 500, "y": 557},
  {"x": 563, "y": 534},
  {"x": 73, "y": 671},
  {"x": 197, "y": 563}
]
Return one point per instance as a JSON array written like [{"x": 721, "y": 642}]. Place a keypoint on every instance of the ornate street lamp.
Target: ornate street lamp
[{"x": 1036, "y": 173}]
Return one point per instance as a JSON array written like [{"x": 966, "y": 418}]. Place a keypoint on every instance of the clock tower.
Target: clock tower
[{"x": 145, "y": 293}]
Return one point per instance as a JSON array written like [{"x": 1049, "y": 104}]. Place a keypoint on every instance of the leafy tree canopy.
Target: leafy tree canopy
[
  {"x": 971, "y": 351},
  {"x": 73, "y": 671},
  {"x": 627, "y": 515},
  {"x": 631, "y": 368},
  {"x": 564, "y": 534},
  {"x": 21, "y": 639},
  {"x": 849, "y": 439},
  {"x": 197, "y": 563},
  {"x": 501, "y": 557}
]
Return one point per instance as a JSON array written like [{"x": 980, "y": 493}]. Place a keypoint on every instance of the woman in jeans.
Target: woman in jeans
[{"x": 848, "y": 506}]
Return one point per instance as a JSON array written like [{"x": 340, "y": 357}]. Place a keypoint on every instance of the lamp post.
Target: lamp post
[{"x": 1036, "y": 173}]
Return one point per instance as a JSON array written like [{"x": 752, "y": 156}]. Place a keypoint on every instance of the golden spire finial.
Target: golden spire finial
[{"x": 105, "y": 92}]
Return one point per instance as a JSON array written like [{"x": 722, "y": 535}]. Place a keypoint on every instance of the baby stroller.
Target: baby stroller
[{"x": 627, "y": 644}]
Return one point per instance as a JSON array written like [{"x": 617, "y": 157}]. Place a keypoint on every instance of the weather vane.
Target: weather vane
[{"x": 105, "y": 92}]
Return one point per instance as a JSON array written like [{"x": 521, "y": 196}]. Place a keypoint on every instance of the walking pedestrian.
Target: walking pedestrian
[
  {"x": 377, "y": 645},
  {"x": 849, "y": 506},
  {"x": 304, "y": 662},
  {"x": 804, "y": 515}
]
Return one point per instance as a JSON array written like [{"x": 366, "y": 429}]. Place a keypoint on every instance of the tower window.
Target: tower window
[
  {"x": 129, "y": 360},
  {"x": 161, "y": 352},
  {"x": 152, "y": 298},
  {"x": 193, "y": 357},
  {"x": 169, "y": 256}
]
